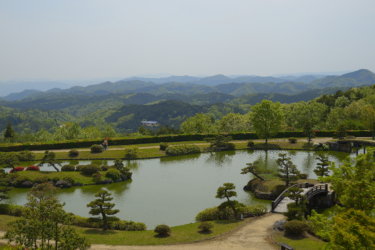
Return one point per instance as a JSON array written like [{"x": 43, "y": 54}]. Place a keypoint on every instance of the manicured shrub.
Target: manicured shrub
[
  {"x": 68, "y": 167},
  {"x": 303, "y": 176},
  {"x": 33, "y": 168},
  {"x": 104, "y": 168},
  {"x": 95, "y": 149},
  {"x": 295, "y": 228},
  {"x": 250, "y": 144},
  {"x": 128, "y": 226},
  {"x": 131, "y": 153},
  {"x": 292, "y": 140},
  {"x": 17, "y": 169},
  {"x": 163, "y": 146},
  {"x": 113, "y": 174},
  {"x": 205, "y": 227},
  {"x": 226, "y": 213},
  {"x": 295, "y": 212},
  {"x": 182, "y": 150},
  {"x": 162, "y": 230},
  {"x": 89, "y": 170},
  {"x": 42, "y": 179},
  {"x": 74, "y": 153},
  {"x": 26, "y": 156}
]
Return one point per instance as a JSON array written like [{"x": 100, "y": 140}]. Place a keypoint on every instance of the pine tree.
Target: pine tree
[
  {"x": 322, "y": 166},
  {"x": 225, "y": 192},
  {"x": 9, "y": 133},
  {"x": 287, "y": 170},
  {"x": 102, "y": 206}
]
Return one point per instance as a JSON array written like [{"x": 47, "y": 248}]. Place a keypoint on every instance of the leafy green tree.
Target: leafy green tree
[
  {"x": 200, "y": 123},
  {"x": 44, "y": 223},
  {"x": 9, "y": 133},
  {"x": 102, "y": 206},
  {"x": 234, "y": 123},
  {"x": 9, "y": 160},
  {"x": 308, "y": 116},
  {"x": 368, "y": 118},
  {"x": 287, "y": 170},
  {"x": 354, "y": 182},
  {"x": 252, "y": 169},
  {"x": 226, "y": 192},
  {"x": 49, "y": 158},
  {"x": 352, "y": 230},
  {"x": 321, "y": 169},
  {"x": 267, "y": 118}
]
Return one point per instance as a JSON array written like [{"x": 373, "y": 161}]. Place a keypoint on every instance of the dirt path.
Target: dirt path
[{"x": 252, "y": 236}]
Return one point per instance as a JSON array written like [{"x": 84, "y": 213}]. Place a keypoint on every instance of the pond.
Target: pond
[{"x": 173, "y": 190}]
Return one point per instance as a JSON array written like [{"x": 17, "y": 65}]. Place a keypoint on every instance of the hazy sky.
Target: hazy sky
[{"x": 81, "y": 39}]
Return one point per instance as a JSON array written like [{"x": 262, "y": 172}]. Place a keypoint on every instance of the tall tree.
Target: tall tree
[
  {"x": 102, "y": 206},
  {"x": 368, "y": 118},
  {"x": 267, "y": 118},
  {"x": 9, "y": 133},
  {"x": 234, "y": 123},
  {"x": 287, "y": 170},
  {"x": 198, "y": 124},
  {"x": 226, "y": 192},
  {"x": 321, "y": 169},
  {"x": 308, "y": 116},
  {"x": 44, "y": 223}
]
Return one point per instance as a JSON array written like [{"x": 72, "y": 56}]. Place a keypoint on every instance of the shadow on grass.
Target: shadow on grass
[
  {"x": 264, "y": 146},
  {"x": 225, "y": 222},
  {"x": 205, "y": 232},
  {"x": 294, "y": 237},
  {"x": 99, "y": 231},
  {"x": 161, "y": 236}
]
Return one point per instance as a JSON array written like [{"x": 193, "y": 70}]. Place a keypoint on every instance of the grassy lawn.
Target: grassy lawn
[
  {"x": 306, "y": 243},
  {"x": 76, "y": 176},
  {"x": 180, "y": 234}
]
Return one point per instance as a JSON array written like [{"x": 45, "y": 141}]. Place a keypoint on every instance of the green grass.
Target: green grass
[
  {"x": 306, "y": 243},
  {"x": 76, "y": 176},
  {"x": 180, "y": 234},
  {"x": 4, "y": 220}
]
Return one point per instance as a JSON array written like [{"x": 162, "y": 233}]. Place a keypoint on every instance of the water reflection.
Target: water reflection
[{"x": 220, "y": 158}]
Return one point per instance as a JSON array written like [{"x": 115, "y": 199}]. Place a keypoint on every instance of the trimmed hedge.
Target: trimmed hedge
[
  {"x": 182, "y": 150},
  {"x": 165, "y": 138},
  {"x": 215, "y": 213}
]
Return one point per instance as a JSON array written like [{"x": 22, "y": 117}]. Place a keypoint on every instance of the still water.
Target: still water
[{"x": 173, "y": 190}]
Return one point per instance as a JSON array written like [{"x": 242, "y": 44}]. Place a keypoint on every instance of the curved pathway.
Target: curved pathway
[{"x": 251, "y": 236}]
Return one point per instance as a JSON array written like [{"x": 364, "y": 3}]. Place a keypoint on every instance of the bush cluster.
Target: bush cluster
[
  {"x": 113, "y": 174},
  {"x": 205, "y": 227},
  {"x": 96, "y": 148},
  {"x": 33, "y": 168},
  {"x": 162, "y": 230},
  {"x": 163, "y": 146},
  {"x": 295, "y": 227},
  {"x": 182, "y": 150},
  {"x": 88, "y": 170},
  {"x": 17, "y": 169},
  {"x": 250, "y": 144},
  {"x": 131, "y": 153},
  {"x": 73, "y": 153},
  {"x": 10, "y": 209},
  {"x": 26, "y": 156},
  {"x": 292, "y": 140},
  {"x": 226, "y": 213},
  {"x": 68, "y": 167}
]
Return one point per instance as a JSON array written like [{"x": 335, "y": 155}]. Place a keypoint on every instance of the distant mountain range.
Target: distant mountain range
[{"x": 169, "y": 100}]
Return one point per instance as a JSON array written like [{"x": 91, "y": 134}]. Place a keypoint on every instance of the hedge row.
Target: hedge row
[{"x": 164, "y": 138}]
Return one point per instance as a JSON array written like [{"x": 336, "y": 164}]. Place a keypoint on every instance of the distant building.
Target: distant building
[{"x": 150, "y": 123}]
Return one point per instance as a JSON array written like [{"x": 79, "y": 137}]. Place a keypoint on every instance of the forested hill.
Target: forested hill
[{"x": 121, "y": 106}]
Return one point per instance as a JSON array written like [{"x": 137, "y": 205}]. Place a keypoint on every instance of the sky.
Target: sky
[{"x": 88, "y": 39}]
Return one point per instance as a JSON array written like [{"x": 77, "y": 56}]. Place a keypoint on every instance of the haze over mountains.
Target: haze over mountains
[{"x": 169, "y": 100}]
